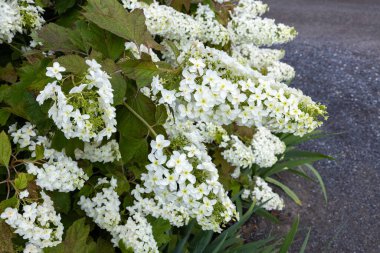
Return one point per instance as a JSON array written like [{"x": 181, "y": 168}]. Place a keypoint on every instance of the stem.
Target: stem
[
  {"x": 15, "y": 48},
  {"x": 141, "y": 119}
]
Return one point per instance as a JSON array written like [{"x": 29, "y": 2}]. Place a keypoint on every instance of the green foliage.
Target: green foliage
[
  {"x": 62, "y": 201},
  {"x": 21, "y": 180},
  {"x": 6, "y": 245},
  {"x": 98, "y": 29},
  {"x": 111, "y": 16},
  {"x": 76, "y": 240},
  {"x": 4, "y": 116},
  {"x": 290, "y": 236},
  {"x": 5, "y": 149},
  {"x": 11, "y": 202},
  {"x": 62, "y": 6}
]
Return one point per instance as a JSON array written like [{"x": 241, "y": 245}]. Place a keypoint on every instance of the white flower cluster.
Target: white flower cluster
[
  {"x": 265, "y": 147},
  {"x": 184, "y": 185},
  {"x": 58, "y": 172},
  {"x": 95, "y": 152},
  {"x": 264, "y": 195},
  {"x": 170, "y": 24},
  {"x": 19, "y": 16},
  {"x": 246, "y": 26},
  {"x": 104, "y": 208},
  {"x": 136, "y": 234},
  {"x": 261, "y": 150},
  {"x": 237, "y": 153},
  {"x": 250, "y": 9},
  {"x": 264, "y": 60},
  {"x": 216, "y": 88},
  {"x": 10, "y": 20},
  {"x": 85, "y": 112},
  {"x": 211, "y": 30},
  {"x": 137, "y": 51},
  {"x": 39, "y": 224},
  {"x": 256, "y": 57}
]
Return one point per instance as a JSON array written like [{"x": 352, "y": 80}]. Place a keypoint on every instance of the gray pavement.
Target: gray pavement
[{"x": 337, "y": 59}]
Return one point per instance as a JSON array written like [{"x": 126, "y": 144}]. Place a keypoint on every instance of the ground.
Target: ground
[{"x": 337, "y": 59}]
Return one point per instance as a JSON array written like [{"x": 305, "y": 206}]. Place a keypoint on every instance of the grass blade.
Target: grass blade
[
  {"x": 304, "y": 244},
  {"x": 286, "y": 189},
  {"x": 290, "y": 236},
  {"x": 319, "y": 178}
]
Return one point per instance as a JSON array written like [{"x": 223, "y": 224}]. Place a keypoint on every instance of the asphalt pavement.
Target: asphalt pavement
[{"x": 337, "y": 59}]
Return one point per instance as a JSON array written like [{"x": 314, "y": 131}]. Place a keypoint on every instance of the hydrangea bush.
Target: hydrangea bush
[{"x": 147, "y": 126}]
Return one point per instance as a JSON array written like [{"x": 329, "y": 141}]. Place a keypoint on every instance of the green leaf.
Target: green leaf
[
  {"x": 8, "y": 74},
  {"x": 304, "y": 244},
  {"x": 73, "y": 63},
  {"x": 62, "y": 201},
  {"x": 5, "y": 149},
  {"x": 141, "y": 71},
  {"x": 286, "y": 189},
  {"x": 133, "y": 149},
  {"x": 33, "y": 76},
  {"x": 57, "y": 38},
  {"x": 290, "y": 236},
  {"x": 11, "y": 202},
  {"x": 161, "y": 230},
  {"x": 181, "y": 244},
  {"x": 161, "y": 115},
  {"x": 285, "y": 165},
  {"x": 119, "y": 87},
  {"x": 4, "y": 115},
  {"x": 40, "y": 152},
  {"x": 319, "y": 178},
  {"x": 21, "y": 181},
  {"x": 177, "y": 4},
  {"x": 131, "y": 126},
  {"x": 6, "y": 245},
  {"x": 111, "y": 16},
  {"x": 315, "y": 156},
  {"x": 232, "y": 230},
  {"x": 104, "y": 246},
  {"x": 62, "y": 6},
  {"x": 75, "y": 240},
  {"x": 201, "y": 240}
]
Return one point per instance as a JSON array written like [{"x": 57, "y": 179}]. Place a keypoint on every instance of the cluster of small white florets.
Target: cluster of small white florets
[
  {"x": 265, "y": 147},
  {"x": 237, "y": 153},
  {"x": 250, "y": 9},
  {"x": 86, "y": 113},
  {"x": 137, "y": 51},
  {"x": 212, "y": 31},
  {"x": 104, "y": 208},
  {"x": 21, "y": 16},
  {"x": 262, "y": 149},
  {"x": 136, "y": 234},
  {"x": 263, "y": 194},
  {"x": 185, "y": 186},
  {"x": 58, "y": 171},
  {"x": 10, "y": 20},
  {"x": 216, "y": 88},
  {"x": 264, "y": 60},
  {"x": 173, "y": 25},
  {"x": 96, "y": 152},
  {"x": 39, "y": 224},
  {"x": 246, "y": 26}
]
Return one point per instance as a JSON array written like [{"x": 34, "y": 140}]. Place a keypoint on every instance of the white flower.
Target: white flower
[
  {"x": 55, "y": 71},
  {"x": 24, "y": 194},
  {"x": 39, "y": 224},
  {"x": 159, "y": 143}
]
